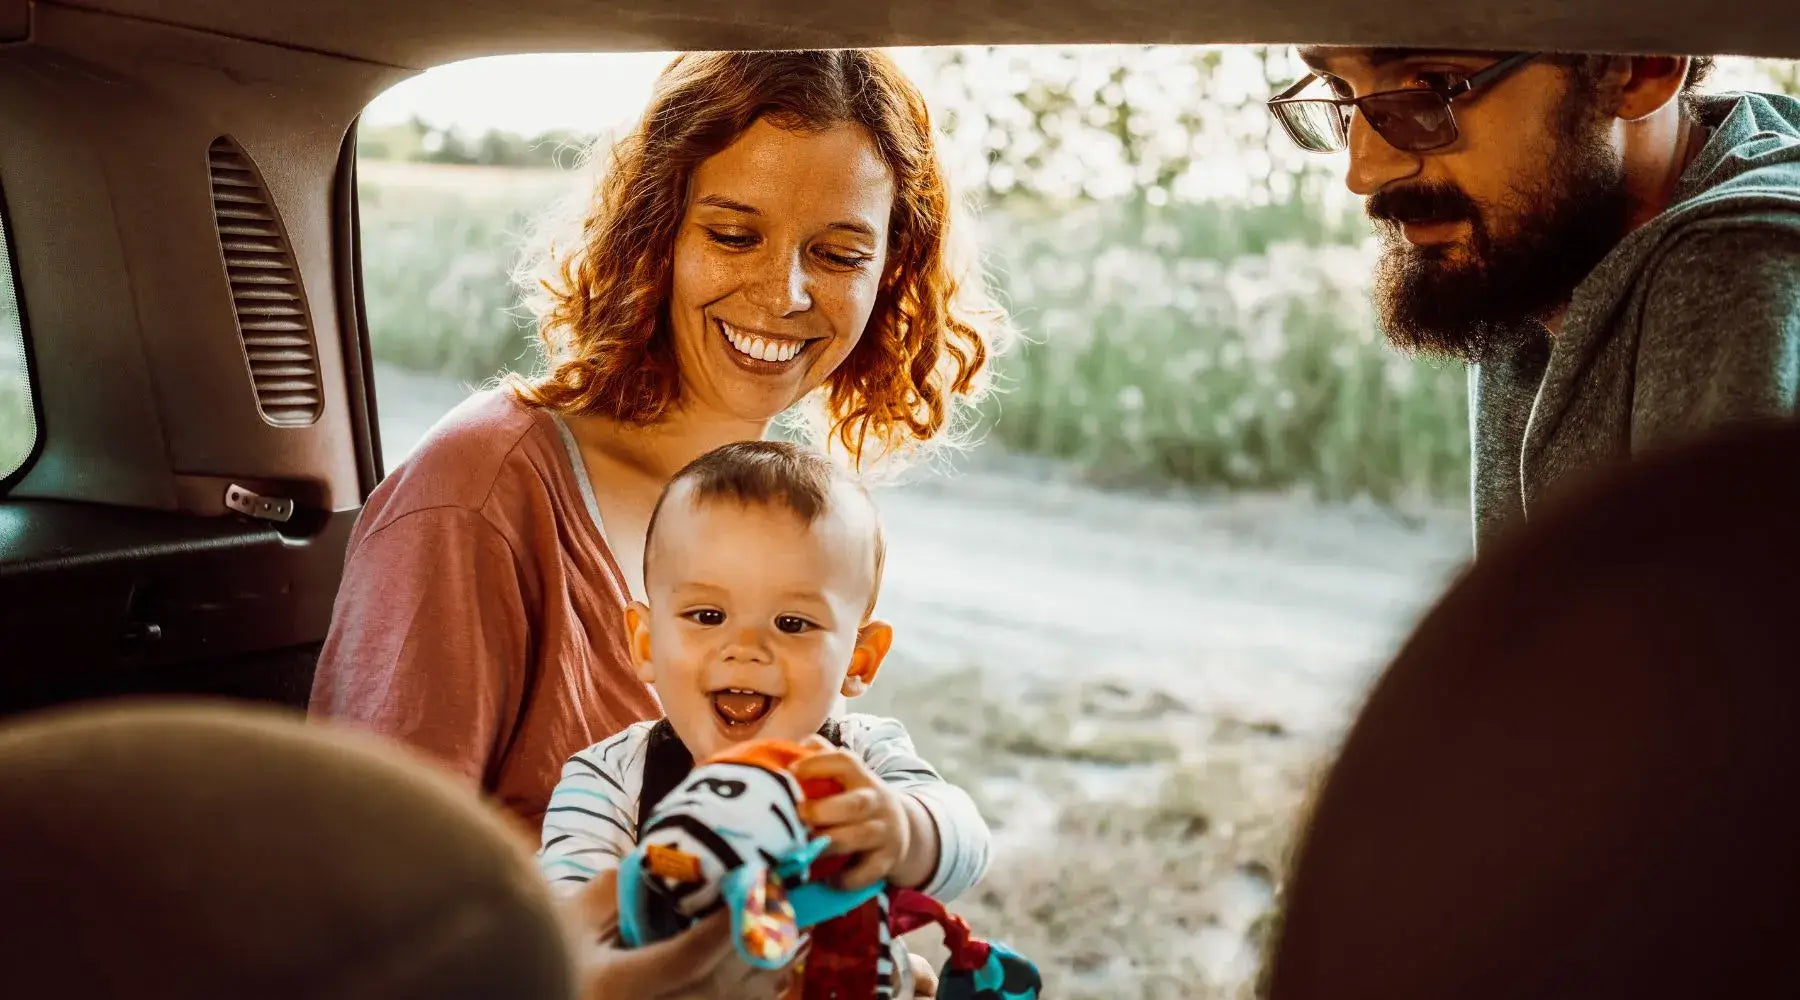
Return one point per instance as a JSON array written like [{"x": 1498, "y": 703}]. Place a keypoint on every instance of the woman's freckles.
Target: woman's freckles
[{"x": 777, "y": 267}]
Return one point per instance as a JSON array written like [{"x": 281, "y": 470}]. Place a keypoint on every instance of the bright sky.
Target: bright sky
[
  {"x": 525, "y": 94},
  {"x": 530, "y": 94}
]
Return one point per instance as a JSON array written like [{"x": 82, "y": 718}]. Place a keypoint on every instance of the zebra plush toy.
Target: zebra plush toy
[{"x": 729, "y": 834}]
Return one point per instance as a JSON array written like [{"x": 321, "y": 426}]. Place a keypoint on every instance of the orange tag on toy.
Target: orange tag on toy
[{"x": 676, "y": 865}]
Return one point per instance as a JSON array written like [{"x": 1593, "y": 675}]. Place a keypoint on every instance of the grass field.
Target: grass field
[{"x": 1199, "y": 344}]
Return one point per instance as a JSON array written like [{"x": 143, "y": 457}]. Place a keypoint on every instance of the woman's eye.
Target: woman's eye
[
  {"x": 706, "y": 616},
  {"x": 845, "y": 260},
  {"x": 792, "y": 624},
  {"x": 736, "y": 241}
]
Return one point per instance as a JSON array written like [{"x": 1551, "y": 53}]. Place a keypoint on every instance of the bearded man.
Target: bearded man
[{"x": 1615, "y": 254}]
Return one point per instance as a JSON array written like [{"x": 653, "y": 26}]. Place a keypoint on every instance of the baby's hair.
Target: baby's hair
[{"x": 767, "y": 473}]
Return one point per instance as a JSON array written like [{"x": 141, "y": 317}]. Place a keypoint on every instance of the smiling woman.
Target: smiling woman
[
  {"x": 802, "y": 218},
  {"x": 778, "y": 266},
  {"x": 774, "y": 230}
]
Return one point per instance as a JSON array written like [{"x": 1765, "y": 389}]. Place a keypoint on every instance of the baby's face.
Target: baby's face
[{"x": 752, "y": 626}]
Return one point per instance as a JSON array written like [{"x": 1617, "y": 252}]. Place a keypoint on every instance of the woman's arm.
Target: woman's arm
[{"x": 430, "y": 639}]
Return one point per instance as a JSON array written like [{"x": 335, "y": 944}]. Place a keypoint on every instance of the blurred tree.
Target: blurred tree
[
  {"x": 1783, "y": 75},
  {"x": 417, "y": 141},
  {"x": 1150, "y": 124},
  {"x": 405, "y": 141}
]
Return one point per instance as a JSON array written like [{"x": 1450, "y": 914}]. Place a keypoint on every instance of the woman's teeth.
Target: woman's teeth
[{"x": 762, "y": 348}]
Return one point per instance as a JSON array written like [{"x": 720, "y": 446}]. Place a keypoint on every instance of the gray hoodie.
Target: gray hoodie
[{"x": 1692, "y": 321}]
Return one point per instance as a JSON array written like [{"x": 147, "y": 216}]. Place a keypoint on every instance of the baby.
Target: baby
[{"x": 761, "y": 568}]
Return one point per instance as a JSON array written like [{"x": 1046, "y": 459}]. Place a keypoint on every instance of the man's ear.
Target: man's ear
[
  {"x": 637, "y": 637},
  {"x": 872, "y": 642},
  {"x": 1640, "y": 86}
]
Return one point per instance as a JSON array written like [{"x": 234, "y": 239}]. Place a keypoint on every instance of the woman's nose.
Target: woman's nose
[{"x": 781, "y": 289}]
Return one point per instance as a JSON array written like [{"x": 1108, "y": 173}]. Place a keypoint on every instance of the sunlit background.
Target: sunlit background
[{"x": 1210, "y": 503}]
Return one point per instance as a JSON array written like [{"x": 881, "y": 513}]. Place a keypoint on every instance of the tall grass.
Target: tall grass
[
  {"x": 18, "y": 424},
  {"x": 437, "y": 246},
  {"x": 1213, "y": 344},
  {"x": 1218, "y": 346}
]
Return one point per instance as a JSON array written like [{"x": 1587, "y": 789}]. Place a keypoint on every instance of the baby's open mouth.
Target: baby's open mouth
[{"x": 741, "y": 706}]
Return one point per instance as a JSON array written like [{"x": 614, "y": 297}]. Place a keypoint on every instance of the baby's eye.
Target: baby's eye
[
  {"x": 792, "y": 624},
  {"x": 706, "y": 616}
]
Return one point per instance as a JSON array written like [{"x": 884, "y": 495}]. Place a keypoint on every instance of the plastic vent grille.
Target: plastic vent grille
[{"x": 266, "y": 294}]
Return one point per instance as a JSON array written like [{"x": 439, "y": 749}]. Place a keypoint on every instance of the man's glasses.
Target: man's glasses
[{"x": 1413, "y": 120}]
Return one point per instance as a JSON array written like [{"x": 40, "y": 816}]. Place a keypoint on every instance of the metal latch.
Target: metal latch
[{"x": 267, "y": 508}]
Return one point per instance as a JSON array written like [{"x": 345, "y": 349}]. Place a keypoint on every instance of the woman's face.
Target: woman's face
[{"x": 777, "y": 264}]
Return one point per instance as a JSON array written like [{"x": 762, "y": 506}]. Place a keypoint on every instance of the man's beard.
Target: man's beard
[{"x": 1476, "y": 305}]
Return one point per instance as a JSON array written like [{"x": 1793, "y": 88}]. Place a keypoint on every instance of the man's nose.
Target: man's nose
[
  {"x": 1374, "y": 163},
  {"x": 782, "y": 286}
]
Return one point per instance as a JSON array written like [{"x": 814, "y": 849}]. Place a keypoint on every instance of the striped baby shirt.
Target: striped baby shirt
[{"x": 592, "y": 820}]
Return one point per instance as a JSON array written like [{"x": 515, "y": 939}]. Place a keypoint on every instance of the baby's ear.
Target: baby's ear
[
  {"x": 872, "y": 642},
  {"x": 637, "y": 637}
]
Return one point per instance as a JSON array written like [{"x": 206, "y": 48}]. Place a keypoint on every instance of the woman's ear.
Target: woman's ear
[
  {"x": 637, "y": 637},
  {"x": 872, "y": 642}
]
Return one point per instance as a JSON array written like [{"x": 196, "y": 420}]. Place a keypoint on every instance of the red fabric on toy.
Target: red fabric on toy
[
  {"x": 842, "y": 958},
  {"x": 842, "y": 963},
  {"x": 910, "y": 909}
]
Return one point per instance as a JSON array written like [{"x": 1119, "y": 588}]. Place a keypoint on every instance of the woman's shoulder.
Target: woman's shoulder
[{"x": 489, "y": 440}]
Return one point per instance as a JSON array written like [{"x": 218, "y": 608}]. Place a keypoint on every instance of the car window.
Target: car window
[
  {"x": 18, "y": 418},
  {"x": 1136, "y": 617}
]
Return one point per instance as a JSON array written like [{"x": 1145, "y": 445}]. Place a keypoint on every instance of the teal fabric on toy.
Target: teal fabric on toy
[
  {"x": 1006, "y": 975},
  {"x": 728, "y": 833},
  {"x": 977, "y": 969}
]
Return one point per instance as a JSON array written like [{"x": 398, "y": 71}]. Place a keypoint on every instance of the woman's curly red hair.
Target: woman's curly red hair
[{"x": 601, "y": 305}]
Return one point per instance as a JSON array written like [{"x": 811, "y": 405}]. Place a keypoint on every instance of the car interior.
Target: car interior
[{"x": 179, "y": 224}]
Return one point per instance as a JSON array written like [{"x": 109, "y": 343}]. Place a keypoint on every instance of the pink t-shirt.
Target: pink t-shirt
[{"x": 481, "y": 616}]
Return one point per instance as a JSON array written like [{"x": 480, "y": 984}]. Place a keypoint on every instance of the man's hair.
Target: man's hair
[
  {"x": 1588, "y": 67},
  {"x": 767, "y": 473},
  {"x": 1699, "y": 68}
]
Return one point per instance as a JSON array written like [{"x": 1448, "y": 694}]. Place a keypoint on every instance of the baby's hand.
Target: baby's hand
[{"x": 869, "y": 817}]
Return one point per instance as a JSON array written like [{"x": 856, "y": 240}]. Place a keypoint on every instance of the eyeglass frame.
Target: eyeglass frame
[{"x": 1448, "y": 94}]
